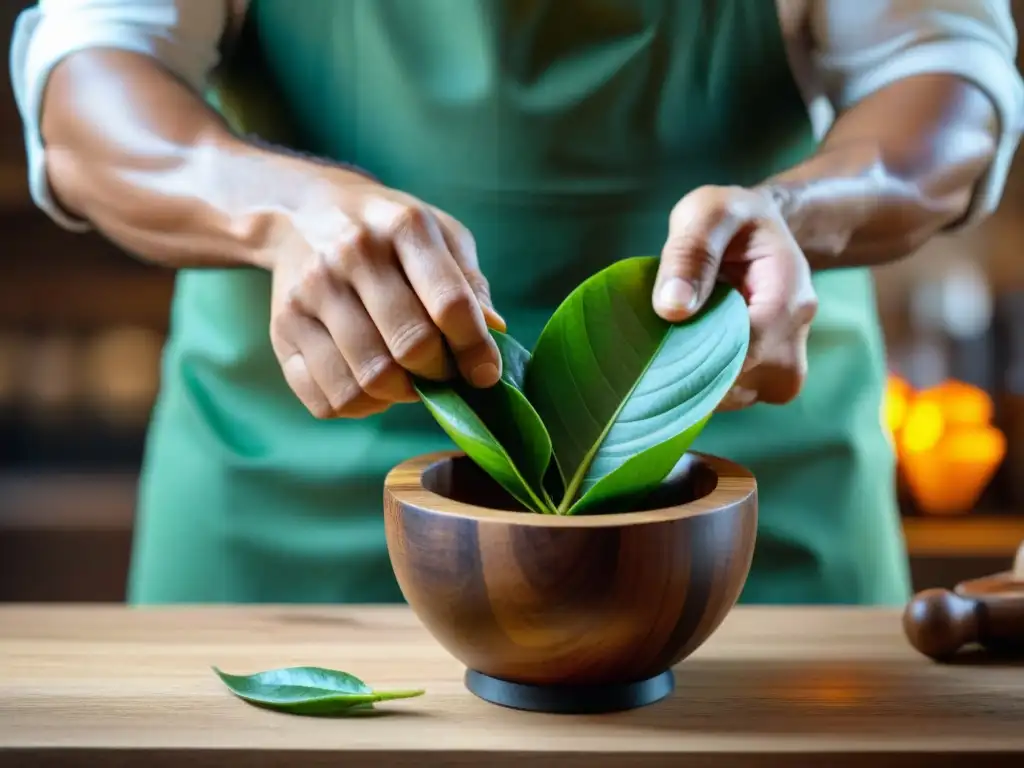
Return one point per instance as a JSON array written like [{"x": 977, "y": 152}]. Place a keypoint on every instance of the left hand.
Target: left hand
[{"x": 739, "y": 235}]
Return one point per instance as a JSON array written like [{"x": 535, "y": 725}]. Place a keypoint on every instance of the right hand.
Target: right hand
[{"x": 379, "y": 287}]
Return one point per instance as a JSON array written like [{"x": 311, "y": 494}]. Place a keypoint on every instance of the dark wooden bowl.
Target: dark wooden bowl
[{"x": 569, "y": 614}]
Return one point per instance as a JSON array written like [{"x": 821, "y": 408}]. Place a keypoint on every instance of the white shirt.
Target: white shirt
[{"x": 840, "y": 51}]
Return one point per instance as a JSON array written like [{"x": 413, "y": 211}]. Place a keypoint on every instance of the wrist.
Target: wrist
[
  {"x": 823, "y": 215},
  {"x": 274, "y": 200}
]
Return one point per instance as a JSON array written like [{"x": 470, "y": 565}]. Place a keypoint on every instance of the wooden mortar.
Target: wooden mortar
[{"x": 569, "y": 614}]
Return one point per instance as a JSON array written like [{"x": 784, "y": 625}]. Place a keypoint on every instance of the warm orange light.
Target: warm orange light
[
  {"x": 948, "y": 479},
  {"x": 977, "y": 445},
  {"x": 897, "y": 399},
  {"x": 961, "y": 403},
  {"x": 946, "y": 447},
  {"x": 923, "y": 427},
  {"x": 831, "y": 688}
]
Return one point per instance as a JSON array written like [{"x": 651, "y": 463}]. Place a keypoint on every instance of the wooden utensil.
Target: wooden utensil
[
  {"x": 987, "y": 612},
  {"x": 571, "y": 614}
]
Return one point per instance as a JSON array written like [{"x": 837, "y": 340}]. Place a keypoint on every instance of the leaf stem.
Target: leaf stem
[{"x": 388, "y": 695}]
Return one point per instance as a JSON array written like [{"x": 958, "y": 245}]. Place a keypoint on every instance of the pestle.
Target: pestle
[{"x": 988, "y": 612}]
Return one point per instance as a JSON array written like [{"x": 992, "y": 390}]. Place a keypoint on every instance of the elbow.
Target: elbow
[
  {"x": 66, "y": 174},
  {"x": 964, "y": 168},
  {"x": 948, "y": 182},
  {"x": 929, "y": 195},
  {"x": 64, "y": 135}
]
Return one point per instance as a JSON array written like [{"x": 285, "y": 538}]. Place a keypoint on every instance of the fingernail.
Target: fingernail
[
  {"x": 485, "y": 375},
  {"x": 494, "y": 320},
  {"x": 677, "y": 294}
]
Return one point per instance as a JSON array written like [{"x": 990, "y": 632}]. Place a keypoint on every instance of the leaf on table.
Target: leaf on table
[
  {"x": 623, "y": 393},
  {"x": 497, "y": 427},
  {"x": 308, "y": 691}
]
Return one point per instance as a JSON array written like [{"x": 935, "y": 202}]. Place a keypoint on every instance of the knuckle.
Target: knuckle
[
  {"x": 465, "y": 237},
  {"x": 716, "y": 194},
  {"x": 462, "y": 235},
  {"x": 411, "y": 221},
  {"x": 707, "y": 198},
  {"x": 338, "y": 263},
  {"x": 351, "y": 251},
  {"x": 805, "y": 309},
  {"x": 452, "y": 304},
  {"x": 376, "y": 373},
  {"x": 278, "y": 327},
  {"x": 773, "y": 316},
  {"x": 410, "y": 343},
  {"x": 692, "y": 253},
  {"x": 341, "y": 396},
  {"x": 341, "y": 387},
  {"x": 294, "y": 304},
  {"x": 318, "y": 270},
  {"x": 455, "y": 227},
  {"x": 302, "y": 295},
  {"x": 358, "y": 239}
]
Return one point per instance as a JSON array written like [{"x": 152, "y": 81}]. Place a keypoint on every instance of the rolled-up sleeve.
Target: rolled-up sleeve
[
  {"x": 862, "y": 46},
  {"x": 183, "y": 35}
]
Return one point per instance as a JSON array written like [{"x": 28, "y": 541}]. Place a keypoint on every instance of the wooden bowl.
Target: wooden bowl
[{"x": 569, "y": 614}]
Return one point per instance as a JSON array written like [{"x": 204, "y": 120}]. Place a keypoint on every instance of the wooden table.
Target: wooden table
[{"x": 112, "y": 686}]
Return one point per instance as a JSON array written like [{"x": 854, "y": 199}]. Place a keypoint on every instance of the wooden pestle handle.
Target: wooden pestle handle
[{"x": 938, "y": 622}]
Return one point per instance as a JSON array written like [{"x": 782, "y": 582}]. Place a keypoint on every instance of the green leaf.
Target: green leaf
[
  {"x": 497, "y": 427},
  {"x": 308, "y": 691},
  {"x": 623, "y": 393}
]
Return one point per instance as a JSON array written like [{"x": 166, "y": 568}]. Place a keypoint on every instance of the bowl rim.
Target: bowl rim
[{"x": 735, "y": 485}]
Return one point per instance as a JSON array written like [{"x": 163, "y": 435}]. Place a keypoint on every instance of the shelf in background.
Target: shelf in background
[
  {"x": 80, "y": 501},
  {"x": 67, "y": 502},
  {"x": 65, "y": 538},
  {"x": 68, "y": 538},
  {"x": 82, "y": 300},
  {"x": 967, "y": 536},
  {"x": 57, "y": 279}
]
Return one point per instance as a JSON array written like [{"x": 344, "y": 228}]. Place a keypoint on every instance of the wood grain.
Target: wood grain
[
  {"x": 98, "y": 686},
  {"x": 568, "y": 600}
]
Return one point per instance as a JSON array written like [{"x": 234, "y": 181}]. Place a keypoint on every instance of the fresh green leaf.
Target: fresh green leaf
[
  {"x": 623, "y": 393},
  {"x": 308, "y": 691},
  {"x": 497, "y": 427}
]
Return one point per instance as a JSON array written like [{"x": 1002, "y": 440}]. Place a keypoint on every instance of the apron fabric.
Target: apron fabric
[{"x": 561, "y": 133}]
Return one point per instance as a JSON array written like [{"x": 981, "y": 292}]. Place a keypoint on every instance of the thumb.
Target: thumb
[{"x": 701, "y": 227}]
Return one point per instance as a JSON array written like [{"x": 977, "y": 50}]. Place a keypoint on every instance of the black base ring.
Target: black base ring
[{"x": 570, "y": 699}]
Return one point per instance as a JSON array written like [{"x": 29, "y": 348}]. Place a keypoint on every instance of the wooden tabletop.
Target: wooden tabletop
[{"x": 99, "y": 686}]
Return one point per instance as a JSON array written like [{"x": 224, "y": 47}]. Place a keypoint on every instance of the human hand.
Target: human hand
[
  {"x": 739, "y": 235},
  {"x": 374, "y": 286}
]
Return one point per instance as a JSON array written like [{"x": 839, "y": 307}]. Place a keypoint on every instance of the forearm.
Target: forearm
[
  {"x": 894, "y": 171},
  {"x": 142, "y": 158}
]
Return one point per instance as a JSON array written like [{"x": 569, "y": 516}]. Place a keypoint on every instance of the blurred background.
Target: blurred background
[{"x": 82, "y": 325}]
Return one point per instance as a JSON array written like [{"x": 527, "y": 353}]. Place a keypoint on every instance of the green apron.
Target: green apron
[{"x": 561, "y": 132}]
